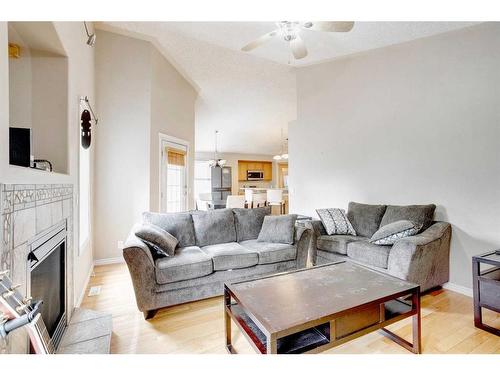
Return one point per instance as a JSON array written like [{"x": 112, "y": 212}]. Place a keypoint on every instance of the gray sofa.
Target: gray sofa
[
  {"x": 214, "y": 247},
  {"x": 422, "y": 258}
]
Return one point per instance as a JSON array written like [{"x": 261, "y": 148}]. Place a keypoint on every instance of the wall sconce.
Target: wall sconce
[
  {"x": 86, "y": 118},
  {"x": 90, "y": 37},
  {"x": 14, "y": 51}
]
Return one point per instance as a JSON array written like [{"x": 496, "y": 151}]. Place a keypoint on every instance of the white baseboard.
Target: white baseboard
[
  {"x": 85, "y": 285},
  {"x": 101, "y": 262},
  {"x": 458, "y": 288}
]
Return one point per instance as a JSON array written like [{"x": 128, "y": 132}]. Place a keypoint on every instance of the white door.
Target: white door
[{"x": 173, "y": 189}]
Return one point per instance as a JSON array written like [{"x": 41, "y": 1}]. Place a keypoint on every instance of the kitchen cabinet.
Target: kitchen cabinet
[
  {"x": 268, "y": 171},
  {"x": 251, "y": 165}
]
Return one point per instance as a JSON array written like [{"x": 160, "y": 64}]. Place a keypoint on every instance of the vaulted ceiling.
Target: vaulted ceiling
[{"x": 250, "y": 96}]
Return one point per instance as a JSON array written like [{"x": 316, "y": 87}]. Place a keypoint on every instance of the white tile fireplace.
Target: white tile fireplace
[{"x": 31, "y": 216}]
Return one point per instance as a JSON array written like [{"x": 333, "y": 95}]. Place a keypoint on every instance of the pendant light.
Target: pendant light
[
  {"x": 216, "y": 162},
  {"x": 283, "y": 155}
]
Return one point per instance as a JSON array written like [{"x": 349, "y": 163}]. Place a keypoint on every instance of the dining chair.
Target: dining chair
[
  {"x": 203, "y": 201},
  {"x": 275, "y": 198},
  {"x": 202, "y": 205},
  {"x": 249, "y": 197},
  {"x": 235, "y": 201},
  {"x": 259, "y": 199}
]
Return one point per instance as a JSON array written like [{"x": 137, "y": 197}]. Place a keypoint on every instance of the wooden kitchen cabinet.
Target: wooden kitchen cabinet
[
  {"x": 268, "y": 171},
  {"x": 242, "y": 170},
  {"x": 251, "y": 165}
]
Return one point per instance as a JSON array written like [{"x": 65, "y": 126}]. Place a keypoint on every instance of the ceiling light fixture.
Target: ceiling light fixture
[
  {"x": 90, "y": 37},
  {"x": 283, "y": 155},
  {"x": 216, "y": 162}
]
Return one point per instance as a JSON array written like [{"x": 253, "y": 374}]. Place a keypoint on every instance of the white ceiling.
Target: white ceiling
[{"x": 249, "y": 97}]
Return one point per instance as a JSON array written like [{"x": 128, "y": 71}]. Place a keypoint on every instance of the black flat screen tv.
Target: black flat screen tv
[{"x": 19, "y": 146}]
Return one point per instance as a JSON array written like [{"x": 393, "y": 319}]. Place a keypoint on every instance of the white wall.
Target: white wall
[
  {"x": 408, "y": 124},
  {"x": 80, "y": 82},
  {"x": 139, "y": 94}
]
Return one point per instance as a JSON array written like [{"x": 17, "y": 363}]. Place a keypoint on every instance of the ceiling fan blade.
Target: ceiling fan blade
[
  {"x": 339, "y": 26},
  {"x": 298, "y": 48},
  {"x": 259, "y": 41}
]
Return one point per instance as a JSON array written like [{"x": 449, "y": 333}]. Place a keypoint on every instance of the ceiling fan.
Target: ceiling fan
[{"x": 289, "y": 31}]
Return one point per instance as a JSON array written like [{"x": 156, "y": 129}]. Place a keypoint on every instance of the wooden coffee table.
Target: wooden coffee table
[{"x": 318, "y": 308}]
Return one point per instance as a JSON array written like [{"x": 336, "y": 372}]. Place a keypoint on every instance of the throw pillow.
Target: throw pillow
[
  {"x": 156, "y": 251},
  {"x": 278, "y": 229},
  {"x": 390, "y": 233},
  {"x": 335, "y": 221},
  {"x": 158, "y": 237}
]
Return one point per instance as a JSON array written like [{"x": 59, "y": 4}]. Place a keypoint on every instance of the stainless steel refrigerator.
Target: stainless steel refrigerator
[{"x": 221, "y": 183}]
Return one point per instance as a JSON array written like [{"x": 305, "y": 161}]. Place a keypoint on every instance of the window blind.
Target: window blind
[{"x": 176, "y": 157}]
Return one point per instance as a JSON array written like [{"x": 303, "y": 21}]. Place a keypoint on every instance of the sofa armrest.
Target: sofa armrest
[
  {"x": 142, "y": 271},
  {"x": 303, "y": 237},
  {"x": 424, "y": 258},
  {"x": 317, "y": 229}
]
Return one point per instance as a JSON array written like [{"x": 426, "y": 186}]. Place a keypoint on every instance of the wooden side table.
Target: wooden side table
[{"x": 486, "y": 286}]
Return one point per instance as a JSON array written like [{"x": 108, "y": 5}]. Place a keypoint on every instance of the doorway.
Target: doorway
[{"x": 173, "y": 174}]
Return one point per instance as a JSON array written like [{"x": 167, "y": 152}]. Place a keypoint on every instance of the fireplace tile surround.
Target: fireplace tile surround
[{"x": 28, "y": 211}]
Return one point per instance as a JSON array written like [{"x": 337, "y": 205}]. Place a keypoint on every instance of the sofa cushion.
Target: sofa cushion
[
  {"x": 278, "y": 229},
  {"x": 227, "y": 256},
  {"x": 271, "y": 252},
  {"x": 336, "y": 243},
  {"x": 187, "y": 263},
  {"x": 248, "y": 222},
  {"x": 368, "y": 253},
  {"x": 158, "y": 237},
  {"x": 419, "y": 214},
  {"x": 214, "y": 227},
  {"x": 365, "y": 218},
  {"x": 179, "y": 225},
  {"x": 335, "y": 221},
  {"x": 390, "y": 233}
]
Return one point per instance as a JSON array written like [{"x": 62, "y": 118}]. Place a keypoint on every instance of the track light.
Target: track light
[{"x": 90, "y": 37}]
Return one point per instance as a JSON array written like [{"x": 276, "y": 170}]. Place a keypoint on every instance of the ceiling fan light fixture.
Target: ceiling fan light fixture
[{"x": 277, "y": 157}]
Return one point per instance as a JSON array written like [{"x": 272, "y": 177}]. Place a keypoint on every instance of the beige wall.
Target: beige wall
[
  {"x": 172, "y": 113},
  {"x": 123, "y": 67},
  {"x": 80, "y": 82},
  {"x": 50, "y": 110},
  {"x": 412, "y": 123},
  {"x": 38, "y": 99},
  {"x": 20, "y": 80},
  {"x": 139, "y": 94}
]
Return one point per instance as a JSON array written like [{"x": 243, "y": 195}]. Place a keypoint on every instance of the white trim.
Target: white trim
[
  {"x": 101, "y": 262},
  {"x": 458, "y": 288},
  {"x": 168, "y": 138},
  {"x": 85, "y": 285}
]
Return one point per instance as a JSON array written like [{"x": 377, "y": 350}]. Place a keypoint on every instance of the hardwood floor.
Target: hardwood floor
[{"x": 197, "y": 327}]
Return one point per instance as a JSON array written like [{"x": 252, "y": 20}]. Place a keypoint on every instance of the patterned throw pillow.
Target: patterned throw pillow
[
  {"x": 335, "y": 221},
  {"x": 390, "y": 233}
]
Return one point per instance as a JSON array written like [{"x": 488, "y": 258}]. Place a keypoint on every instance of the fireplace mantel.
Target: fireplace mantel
[{"x": 26, "y": 212}]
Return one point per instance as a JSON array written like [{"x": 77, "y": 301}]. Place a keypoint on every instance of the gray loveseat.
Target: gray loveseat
[
  {"x": 422, "y": 258},
  {"x": 214, "y": 247}
]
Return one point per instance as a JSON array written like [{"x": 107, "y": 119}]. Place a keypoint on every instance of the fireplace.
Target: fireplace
[{"x": 47, "y": 279}]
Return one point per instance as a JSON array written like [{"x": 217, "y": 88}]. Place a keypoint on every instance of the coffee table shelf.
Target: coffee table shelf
[{"x": 302, "y": 333}]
